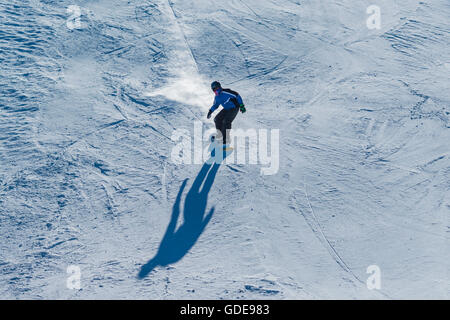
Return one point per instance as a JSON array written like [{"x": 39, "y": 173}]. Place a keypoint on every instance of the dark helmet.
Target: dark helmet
[{"x": 215, "y": 85}]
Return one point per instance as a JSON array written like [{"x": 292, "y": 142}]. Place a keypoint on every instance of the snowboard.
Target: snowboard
[{"x": 226, "y": 150}]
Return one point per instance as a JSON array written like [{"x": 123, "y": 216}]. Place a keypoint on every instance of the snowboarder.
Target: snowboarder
[{"x": 231, "y": 102}]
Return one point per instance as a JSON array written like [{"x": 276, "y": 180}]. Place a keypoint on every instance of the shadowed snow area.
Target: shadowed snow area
[{"x": 86, "y": 176}]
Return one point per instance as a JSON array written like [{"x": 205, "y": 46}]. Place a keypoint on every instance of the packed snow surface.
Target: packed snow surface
[{"x": 93, "y": 91}]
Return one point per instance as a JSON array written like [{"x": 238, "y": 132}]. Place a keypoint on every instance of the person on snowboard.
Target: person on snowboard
[{"x": 231, "y": 102}]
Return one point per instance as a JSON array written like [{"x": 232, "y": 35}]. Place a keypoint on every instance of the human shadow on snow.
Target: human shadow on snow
[{"x": 177, "y": 243}]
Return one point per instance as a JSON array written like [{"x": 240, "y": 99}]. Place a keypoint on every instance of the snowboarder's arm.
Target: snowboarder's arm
[
  {"x": 215, "y": 105},
  {"x": 241, "y": 103}
]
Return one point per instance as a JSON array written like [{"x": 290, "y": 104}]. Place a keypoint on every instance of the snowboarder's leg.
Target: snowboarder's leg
[
  {"x": 220, "y": 125},
  {"x": 218, "y": 135},
  {"x": 228, "y": 119}
]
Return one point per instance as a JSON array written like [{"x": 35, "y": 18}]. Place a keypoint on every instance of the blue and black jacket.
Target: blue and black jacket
[{"x": 228, "y": 98}]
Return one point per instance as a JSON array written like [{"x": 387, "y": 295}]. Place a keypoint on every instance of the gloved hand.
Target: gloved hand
[
  {"x": 242, "y": 108},
  {"x": 209, "y": 114}
]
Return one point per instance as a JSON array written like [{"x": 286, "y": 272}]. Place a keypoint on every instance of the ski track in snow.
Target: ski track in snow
[{"x": 86, "y": 179}]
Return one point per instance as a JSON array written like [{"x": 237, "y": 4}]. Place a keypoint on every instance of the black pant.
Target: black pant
[{"x": 223, "y": 121}]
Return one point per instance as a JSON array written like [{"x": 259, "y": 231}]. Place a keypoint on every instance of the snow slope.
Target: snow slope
[{"x": 86, "y": 177}]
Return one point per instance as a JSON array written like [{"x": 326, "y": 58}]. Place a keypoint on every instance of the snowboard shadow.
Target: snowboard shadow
[{"x": 177, "y": 243}]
